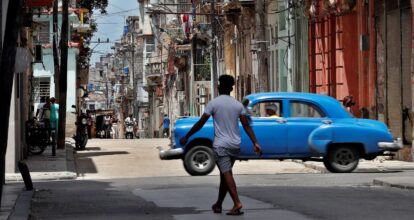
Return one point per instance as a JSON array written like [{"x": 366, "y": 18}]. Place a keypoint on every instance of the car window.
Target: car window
[
  {"x": 305, "y": 109},
  {"x": 267, "y": 109}
]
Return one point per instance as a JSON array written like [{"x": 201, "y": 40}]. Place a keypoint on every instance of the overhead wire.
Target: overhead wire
[{"x": 114, "y": 13}]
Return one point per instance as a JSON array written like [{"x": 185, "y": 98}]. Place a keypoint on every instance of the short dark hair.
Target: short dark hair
[{"x": 226, "y": 81}]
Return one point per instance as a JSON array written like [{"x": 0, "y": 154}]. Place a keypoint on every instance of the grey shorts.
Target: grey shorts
[{"x": 225, "y": 158}]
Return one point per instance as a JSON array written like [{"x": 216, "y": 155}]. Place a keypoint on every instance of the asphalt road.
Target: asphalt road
[{"x": 126, "y": 180}]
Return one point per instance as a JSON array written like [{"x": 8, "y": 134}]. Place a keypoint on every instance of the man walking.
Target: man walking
[
  {"x": 226, "y": 112},
  {"x": 166, "y": 123}
]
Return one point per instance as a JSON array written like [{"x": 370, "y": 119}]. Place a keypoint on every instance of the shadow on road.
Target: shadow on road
[
  {"x": 95, "y": 200},
  {"x": 85, "y": 165},
  {"x": 94, "y": 154},
  {"x": 91, "y": 149}
]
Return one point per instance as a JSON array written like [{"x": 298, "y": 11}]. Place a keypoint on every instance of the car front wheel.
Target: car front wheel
[
  {"x": 341, "y": 159},
  {"x": 199, "y": 161}
]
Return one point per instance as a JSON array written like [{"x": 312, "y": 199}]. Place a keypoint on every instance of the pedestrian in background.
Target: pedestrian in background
[
  {"x": 226, "y": 112},
  {"x": 54, "y": 116},
  {"x": 348, "y": 102},
  {"x": 166, "y": 123}
]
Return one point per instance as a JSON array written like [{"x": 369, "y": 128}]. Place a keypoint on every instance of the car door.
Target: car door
[
  {"x": 304, "y": 117},
  {"x": 270, "y": 131}
]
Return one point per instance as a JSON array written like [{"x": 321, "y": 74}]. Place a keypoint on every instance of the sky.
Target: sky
[{"x": 111, "y": 26}]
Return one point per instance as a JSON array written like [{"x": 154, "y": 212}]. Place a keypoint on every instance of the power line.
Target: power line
[
  {"x": 109, "y": 22},
  {"x": 114, "y": 13}
]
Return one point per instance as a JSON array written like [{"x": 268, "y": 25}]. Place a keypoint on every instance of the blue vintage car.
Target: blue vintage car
[{"x": 290, "y": 126}]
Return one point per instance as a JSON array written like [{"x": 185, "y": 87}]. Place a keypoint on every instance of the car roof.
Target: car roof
[{"x": 328, "y": 103}]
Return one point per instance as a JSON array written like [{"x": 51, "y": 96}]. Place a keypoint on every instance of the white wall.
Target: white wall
[
  {"x": 49, "y": 71},
  {"x": 11, "y": 140}
]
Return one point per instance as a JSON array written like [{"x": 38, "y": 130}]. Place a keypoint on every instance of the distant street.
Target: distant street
[
  {"x": 124, "y": 158},
  {"x": 124, "y": 179}
]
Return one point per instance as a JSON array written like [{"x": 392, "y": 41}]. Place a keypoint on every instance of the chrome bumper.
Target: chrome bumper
[
  {"x": 170, "y": 153},
  {"x": 391, "y": 146}
]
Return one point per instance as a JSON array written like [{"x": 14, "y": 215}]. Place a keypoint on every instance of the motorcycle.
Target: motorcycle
[
  {"x": 81, "y": 137},
  {"x": 107, "y": 131},
  {"x": 37, "y": 136},
  {"x": 129, "y": 130}
]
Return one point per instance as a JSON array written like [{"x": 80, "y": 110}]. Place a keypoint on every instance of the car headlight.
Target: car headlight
[{"x": 84, "y": 121}]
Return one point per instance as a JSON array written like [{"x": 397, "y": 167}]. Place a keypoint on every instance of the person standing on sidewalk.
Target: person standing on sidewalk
[
  {"x": 54, "y": 116},
  {"x": 226, "y": 112}
]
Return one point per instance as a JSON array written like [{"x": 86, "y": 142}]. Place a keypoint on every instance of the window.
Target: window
[
  {"x": 183, "y": 6},
  {"x": 42, "y": 89},
  {"x": 267, "y": 109},
  {"x": 150, "y": 45},
  {"x": 202, "y": 64},
  {"x": 303, "y": 109},
  {"x": 44, "y": 32}
]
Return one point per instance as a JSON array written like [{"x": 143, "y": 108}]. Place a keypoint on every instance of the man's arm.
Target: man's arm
[
  {"x": 251, "y": 134},
  {"x": 196, "y": 127}
]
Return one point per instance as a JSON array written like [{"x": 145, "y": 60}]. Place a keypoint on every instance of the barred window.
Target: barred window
[
  {"x": 41, "y": 88},
  {"x": 44, "y": 32}
]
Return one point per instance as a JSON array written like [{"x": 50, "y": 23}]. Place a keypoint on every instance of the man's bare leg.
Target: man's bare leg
[
  {"x": 232, "y": 189},
  {"x": 217, "y": 207}
]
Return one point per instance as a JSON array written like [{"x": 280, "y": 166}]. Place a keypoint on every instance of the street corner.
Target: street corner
[
  {"x": 384, "y": 164},
  {"x": 380, "y": 164},
  {"x": 395, "y": 182}
]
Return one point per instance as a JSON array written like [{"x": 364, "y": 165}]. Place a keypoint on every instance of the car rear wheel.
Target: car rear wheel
[
  {"x": 341, "y": 159},
  {"x": 199, "y": 161}
]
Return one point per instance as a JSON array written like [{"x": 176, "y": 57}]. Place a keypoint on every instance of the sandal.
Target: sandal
[
  {"x": 216, "y": 208},
  {"x": 235, "y": 212}
]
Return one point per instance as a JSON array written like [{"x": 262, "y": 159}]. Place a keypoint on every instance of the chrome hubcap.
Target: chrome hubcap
[
  {"x": 200, "y": 160},
  {"x": 344, "y": 157}
]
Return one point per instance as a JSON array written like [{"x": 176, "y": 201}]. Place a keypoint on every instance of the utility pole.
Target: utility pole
[
  {"x": 262, "y": 53},
  {"x": 213, "y": 49},
  {"x": 55, "y": 49},
  {"x": 134, "y": 90},
  {"x": 63, "y": 75},
  {"x": 412, "y": 86}
]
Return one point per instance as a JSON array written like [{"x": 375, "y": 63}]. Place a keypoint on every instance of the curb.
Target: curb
[
  {"x": 70, "y": 160},
  {"x": 311, "y": 166},
  {"x": 378, "y": 182},
  {"x": 17, "y": 178},
  {"x": 22, "y": 206}
]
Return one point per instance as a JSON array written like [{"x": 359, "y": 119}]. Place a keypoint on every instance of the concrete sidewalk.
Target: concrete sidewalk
[
  {"x": 379, "y": 164},
  {"x": 44, "y": 167}
]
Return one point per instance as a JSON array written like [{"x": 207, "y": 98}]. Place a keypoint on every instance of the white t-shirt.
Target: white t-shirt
[
  {"x": 226, "y": 112},
  {"x": 130, "y": 120}
]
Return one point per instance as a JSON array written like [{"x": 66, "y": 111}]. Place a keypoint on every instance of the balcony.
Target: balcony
[{"x": 154, "y": 76}]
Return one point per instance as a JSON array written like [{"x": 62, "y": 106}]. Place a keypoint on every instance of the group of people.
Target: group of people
[{"x": 48, "y": 112}]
